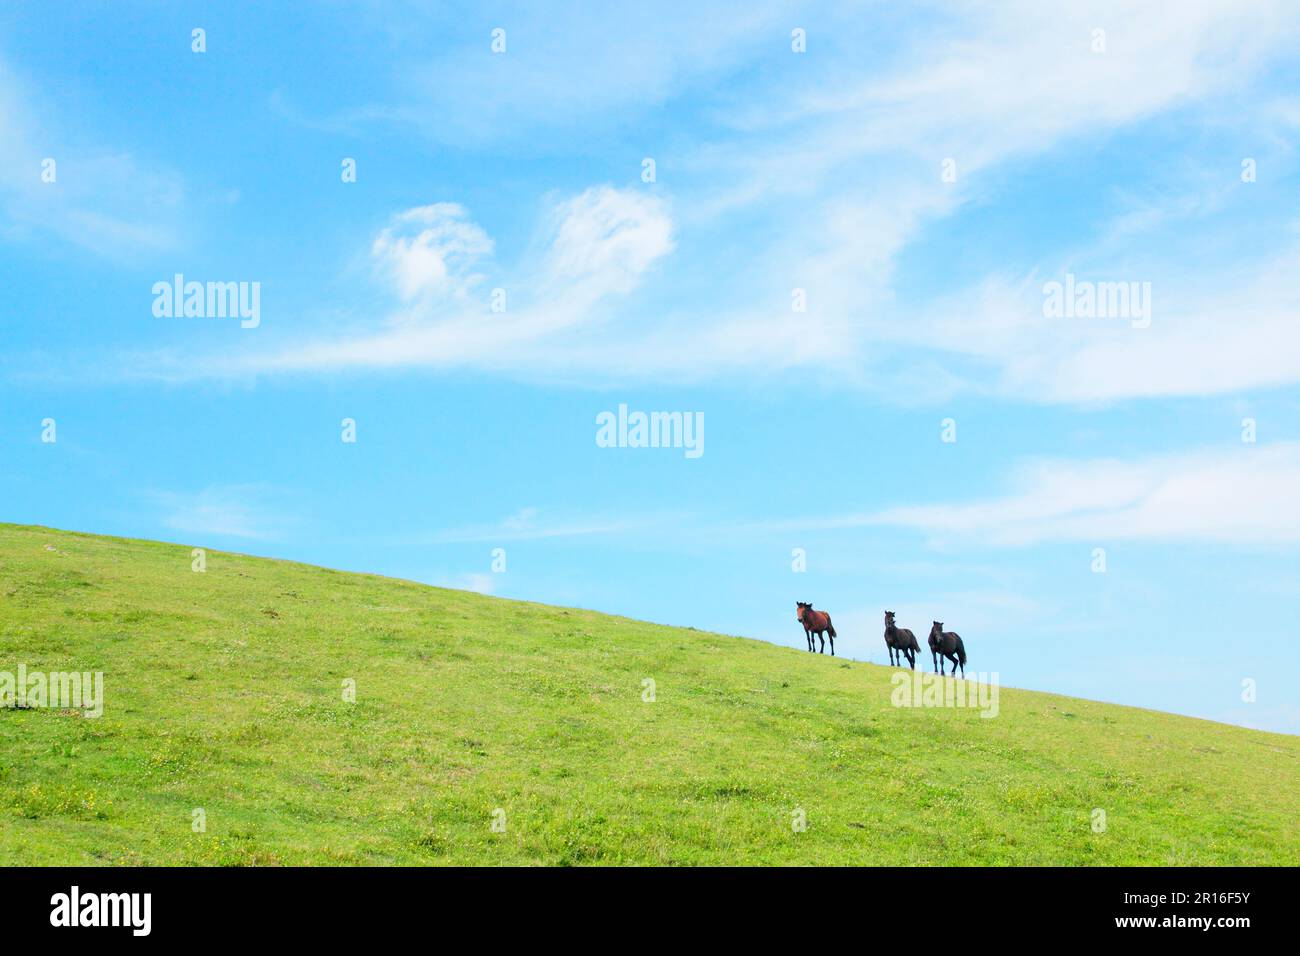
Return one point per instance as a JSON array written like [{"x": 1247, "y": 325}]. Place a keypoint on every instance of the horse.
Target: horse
[
  {"x": 947, "y": 644},
  {"x": 815, "y": 622},
  {"x": 901, "y": 642}
]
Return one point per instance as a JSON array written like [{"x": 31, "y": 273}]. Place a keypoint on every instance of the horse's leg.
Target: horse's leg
[
  {"x": 911, "y": 659},
  {"x": 832, "y": 637},
  {"x": 821, "y": 636}
]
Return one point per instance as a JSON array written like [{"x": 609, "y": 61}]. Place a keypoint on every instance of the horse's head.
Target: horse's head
[
  {"x": 937, "y": 630},
  {"x": 889, "y": 618},
  {"x": 803, "y": 606}
]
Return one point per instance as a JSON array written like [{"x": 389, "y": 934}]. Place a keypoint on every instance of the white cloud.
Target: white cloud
[
  {"x": 468, "y": 581},
  {"x": 606, "y": 239},
  {"x": 1240, "y": 494},
  {"x": 1208, "y": 334},
  {"x": 837, "y": 162},
  {"x": 104, "y": 200},
  {"x": 1243, "y": 495},
  {"x": 1238, "y": 339},
  {"x": 1279, "y": 718},
  {"x": 990, "y": 85},
  {"x": 235, "y": 511},
  {"x": 527, "y": 524},
  {"x": 997, "y": 79},
  {"x": 428, "y": 250},
  {"x": 572, "y": 67},
  {"x": 602, "y": 244}
]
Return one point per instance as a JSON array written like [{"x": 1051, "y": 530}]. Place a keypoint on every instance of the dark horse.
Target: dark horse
[
  {"x": 815, "y": 622},
  {"x": 947, "y": 644},
  {"x": 901, "y": 642}
]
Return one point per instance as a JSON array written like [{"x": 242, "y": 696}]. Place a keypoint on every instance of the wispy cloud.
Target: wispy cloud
[
  {"x": 1209, "y": 334},
  {"x": 567, "y": 70},
  {"x": 602, "y": 243},
  {"x": 1242, "y": 495},
  {"x": 252, "y": 511},
  {"x": 1238, "y": 494},
  {"x": 102, "y": 199},
  {"x": 845, "y": 156},
  {"x": 529, "y": 524},
  {"x": 468, "y": 581},
  {"x": 427, "y": 253}
]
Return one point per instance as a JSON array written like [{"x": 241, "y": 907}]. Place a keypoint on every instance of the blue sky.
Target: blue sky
[{"x": 920, "y": 175}]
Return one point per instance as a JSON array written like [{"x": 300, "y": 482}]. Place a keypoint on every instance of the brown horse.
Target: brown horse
[
  {"x": 815, "y": 622},
  {"x": 901, "y": 642},
  {"x": 947, "y": 644}
]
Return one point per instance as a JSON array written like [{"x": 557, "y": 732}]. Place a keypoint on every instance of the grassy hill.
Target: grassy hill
[{"x": 224, "y": 693}]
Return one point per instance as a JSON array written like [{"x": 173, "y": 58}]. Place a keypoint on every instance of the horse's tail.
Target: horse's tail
[
  {"x": 961, "y": 652},
  {"x": 830, "y": 627}
]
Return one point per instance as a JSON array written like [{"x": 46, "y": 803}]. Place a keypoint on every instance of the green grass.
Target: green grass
[{"x": 224, "y": 692}]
